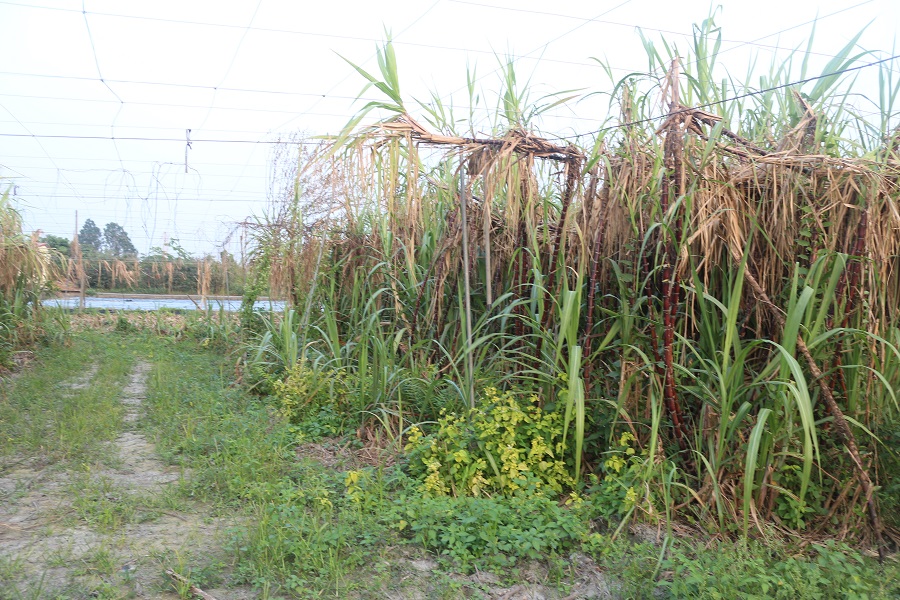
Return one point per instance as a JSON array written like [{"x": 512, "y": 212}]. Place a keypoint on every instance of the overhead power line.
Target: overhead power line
[
  {"x": 597, "y": 20},
  {"x": 314, "y": 143},
  {"x": 135, "y": 160},
  {"x": 167, "y": 104},
  {"x": 112, "y": 125},
  {"x": 193, "y": 86},
  {"x": 138, "y": 237},
  {"x": 102, "y": 187},
  {"x": 237, "y": 50},
  {"x": 290, "y": 32},
  {"x": 484, "y": 109},
  {"x": 153, "y": 127},
  {"x": 698, "y": 59},
  {"x": 169, "y": 217},
  {"x": 111, "y": 198},
  {"x": 41, "y": 146},
  {"x": 635, "y": 26},
  {"x": 133, "y": 173},
  {"x": 150, "y": 139}
]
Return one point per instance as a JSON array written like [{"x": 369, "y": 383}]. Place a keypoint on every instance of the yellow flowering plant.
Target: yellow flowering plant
[{"x": 506, "y": 446}]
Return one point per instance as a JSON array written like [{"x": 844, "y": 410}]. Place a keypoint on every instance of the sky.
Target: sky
[{"x": 96, "y": 95}]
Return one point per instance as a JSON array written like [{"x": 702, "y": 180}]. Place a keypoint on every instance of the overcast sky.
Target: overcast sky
[{"x": 240, "y": 74}]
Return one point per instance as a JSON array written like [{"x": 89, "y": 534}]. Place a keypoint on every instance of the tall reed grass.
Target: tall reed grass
[{"x": 26, "y": 269}]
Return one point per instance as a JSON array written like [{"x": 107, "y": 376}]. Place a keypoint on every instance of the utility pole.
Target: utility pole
[
  {"x": 225, "y": 269},
  {"x": 244, "y": 250},
  {"x": 81, "y": 283}
]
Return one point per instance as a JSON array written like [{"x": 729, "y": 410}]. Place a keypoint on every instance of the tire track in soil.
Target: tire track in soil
[{"x": 50, "y": 551}]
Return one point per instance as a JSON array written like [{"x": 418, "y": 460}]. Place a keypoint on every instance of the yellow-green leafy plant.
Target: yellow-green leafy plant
[
  {"x": 305, "y": 390},
  {"x": 506, "y": 446},
  {"x": 620, "y": 489}
]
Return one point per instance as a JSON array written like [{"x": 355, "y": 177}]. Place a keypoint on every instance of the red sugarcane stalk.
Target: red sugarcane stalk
[
  {"x": 519, "y": 269},
  {"x": 858, "y": 250},
  {"x": 670, "y": 286},
  {"x": 859, "y": 247},
  {"x": 673, "y": 298},
  {"x": 654, "y": 339},
  {"x": 573, "y": 167},
  {"x": 592, "y": 281},
  {"x": 668, "y": 314},
  {"x": 519, "y": 281}
]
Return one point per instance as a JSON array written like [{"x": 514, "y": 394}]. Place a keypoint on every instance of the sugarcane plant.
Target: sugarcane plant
[{"x": 717, "y": 279}]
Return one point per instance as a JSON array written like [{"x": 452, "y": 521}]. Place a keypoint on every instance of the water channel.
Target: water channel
[{"x": 151, "y": 302}]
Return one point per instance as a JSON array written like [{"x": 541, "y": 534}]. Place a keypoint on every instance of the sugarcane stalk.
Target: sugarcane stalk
[{"x": 845, "y": 434}]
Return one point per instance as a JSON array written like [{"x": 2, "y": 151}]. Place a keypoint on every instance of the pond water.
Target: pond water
[{"x": 156, "y": 303}]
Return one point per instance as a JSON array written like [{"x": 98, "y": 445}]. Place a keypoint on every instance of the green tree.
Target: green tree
[
  {"x": 90, "y": 238},
  {"x": 116, "y": 240},
  {"x": 58, "y": 243}
]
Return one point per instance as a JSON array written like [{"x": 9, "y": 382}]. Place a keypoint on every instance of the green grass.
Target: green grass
[
  {"x": 50, "y": 413},
  {"x": 233, "y": 440},
  {"x": 761, "y": 571},
  {"x": 106, "y": 507},
  {"x": 301, "y": 529},
  {"x": 305, "y": 533}
]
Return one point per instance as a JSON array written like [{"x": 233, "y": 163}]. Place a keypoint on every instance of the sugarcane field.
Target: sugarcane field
[{"x": 615, "y": 318}]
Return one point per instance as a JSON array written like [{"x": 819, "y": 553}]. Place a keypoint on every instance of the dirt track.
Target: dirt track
[{"x": 107, "y": 531}]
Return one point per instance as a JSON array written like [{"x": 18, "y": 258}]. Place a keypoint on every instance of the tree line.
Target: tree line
[
  {"x": 110, "y": 242},
  {"x": 111, "y": 262}
]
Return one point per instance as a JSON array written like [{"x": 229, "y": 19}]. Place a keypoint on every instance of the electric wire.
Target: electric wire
[
  {"x": 112, "y": 126},
  {"x": 734, "y": 98},
  {"x": 230, "y": 65},
  {"x": 617, "y": 126},
  {"x": 655, "y": 29},
  {"x": 319, "y": 97}
]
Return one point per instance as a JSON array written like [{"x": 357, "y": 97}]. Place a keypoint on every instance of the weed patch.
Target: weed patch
[
  {"x": 752, "y": 570},
  {"x": 491, "y": 532}
]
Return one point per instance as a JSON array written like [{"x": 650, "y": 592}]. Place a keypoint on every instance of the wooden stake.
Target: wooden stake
[
  {"x": 81, "y": 283},
  {"x": 225, "y": 269},
  {"x": 197, "y": 592}
]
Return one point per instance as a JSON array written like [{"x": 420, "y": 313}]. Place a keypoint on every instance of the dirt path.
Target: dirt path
[
  {"x": 106, "y": 531},
  {"x": 139, "y": 467}
]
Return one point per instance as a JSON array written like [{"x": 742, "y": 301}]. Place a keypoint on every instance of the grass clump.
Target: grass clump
[
  {"x": 319, "y": 530},
  {"x": 232, "y": 439},
  {"x": 315, "y": 401},
  {"x": 26, "y": 271}
]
